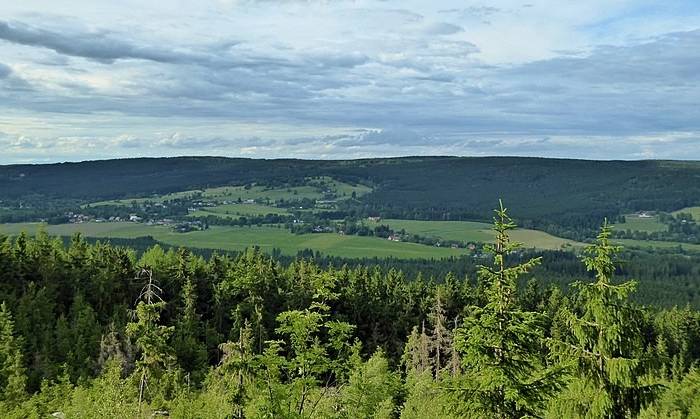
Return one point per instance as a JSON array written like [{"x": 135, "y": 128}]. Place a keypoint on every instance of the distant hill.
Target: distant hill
[{"x": 550, "y": 193}]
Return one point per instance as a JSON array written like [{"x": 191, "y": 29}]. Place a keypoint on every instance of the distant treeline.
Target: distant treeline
[{"x": 666, "y": 278}]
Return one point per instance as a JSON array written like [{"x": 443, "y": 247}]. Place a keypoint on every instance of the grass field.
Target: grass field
[
  {"x": 477, "y": 232},
  {"x": 635, "y": 223},
  {"x": 238, "y": 238},
  {"x": 314, "y": 190},
  {"x": 652, "y": 244},
  {"x": 237, "y": 210},
  {"x": 155, "y": 198},
  {"x": 694, "y": 211}
]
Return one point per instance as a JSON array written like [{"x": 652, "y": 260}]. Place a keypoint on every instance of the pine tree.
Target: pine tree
[
  {"x": 441, "y": 338},
  {"x": 416, "y": 356},
  {"x": 605, "y": 343},
  {"x": 12, "y": 375},
  {"x": 500, "y": 344},
  {"x": 187, "y": 339},
  {"x": 150, "y": 337},
  {"x": 236, "y": 369}
]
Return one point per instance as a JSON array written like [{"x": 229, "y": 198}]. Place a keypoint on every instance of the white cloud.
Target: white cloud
[{"x": 341, "y": 78}]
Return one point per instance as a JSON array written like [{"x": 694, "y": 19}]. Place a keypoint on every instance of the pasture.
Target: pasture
[
  {"x": 238, "y": 210},
  {"x": 634, "y": 222},
  {"x": 314, "y": 189},
  {"x": 239, "y": 238},
  {"x": 694, "y": 211},
  {"x": 477, "y": 232}
]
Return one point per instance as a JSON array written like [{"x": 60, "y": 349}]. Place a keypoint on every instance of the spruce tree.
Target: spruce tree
[
  {"x": 12, "y": 375},
  {"x": 500, "y": 344},
  {"x": 605, "y": 343},
  {"x": 150, "y": 337},
  {"x": 187, "y": 340}
]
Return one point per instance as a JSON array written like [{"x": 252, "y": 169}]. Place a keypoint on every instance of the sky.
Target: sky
[{"x": 336, "y": 79}]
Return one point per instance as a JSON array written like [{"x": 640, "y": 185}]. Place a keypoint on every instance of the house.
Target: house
[
  {"x": 135, "y": 218},
  {"x": 374, "y": 219}
]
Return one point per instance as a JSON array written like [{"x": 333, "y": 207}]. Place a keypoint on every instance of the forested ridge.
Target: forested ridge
[
  {"x": 93, "y": 330},
  {"x": 564, "y": 197}
]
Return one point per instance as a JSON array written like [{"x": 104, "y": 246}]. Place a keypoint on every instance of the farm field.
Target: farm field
[
  {"x": 694, "y": 211},
  {"x": 313, "y": 190},
  {"x": 155, "y": 198},
  {"x": 634, "y": 222},
  {"x": 239, "y": 238},
  {"x": 656, "y": 244},
  {"x": 237, "y": 210},
  {"x": 477, "y": 232}
]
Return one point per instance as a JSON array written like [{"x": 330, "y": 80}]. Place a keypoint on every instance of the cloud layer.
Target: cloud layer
[{"x": 339, "y": 79}]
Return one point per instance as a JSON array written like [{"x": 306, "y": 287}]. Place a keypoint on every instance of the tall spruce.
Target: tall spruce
[
  {"x": 150, "y": 337},
  {"x": 605, "y": 343},
  {"x": 500, "y": 344}
]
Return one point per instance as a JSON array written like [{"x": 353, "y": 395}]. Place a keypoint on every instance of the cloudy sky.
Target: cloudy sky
[{"x": 600, "y": 79}]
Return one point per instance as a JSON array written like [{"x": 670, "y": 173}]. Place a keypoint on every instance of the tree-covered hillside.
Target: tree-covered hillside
[{"x": 562, "y": 196}]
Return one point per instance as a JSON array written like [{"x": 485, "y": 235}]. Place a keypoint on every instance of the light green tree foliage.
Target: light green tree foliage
[
  {"x": 371, "y": 390},
  {"x": 681, "y": 400},
  {"x": 54, "y": 397},
  {"x": 298, "y": 371},
  {"x": 604, "y": 345},
  {"x": 500, "y": 344},
  {"x": 427, "y": 398},
  {"x": 108, "y": 396},
  {"x": 228, "y": 387},
  {"x": 225, "y": 389},
  {"x": 12, "y": 375}
]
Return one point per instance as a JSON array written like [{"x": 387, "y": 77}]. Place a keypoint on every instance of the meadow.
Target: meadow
[
  {"x": 470, "y": 231},
  {"x": 694, "y": 211},
  {"x": 239, "y": 238},
  {"x": 634, "y": 222},
  {"x": 238, "y": 210},
  {"x": 657, "y": 244},
  {"x": 314, "y": 189}
]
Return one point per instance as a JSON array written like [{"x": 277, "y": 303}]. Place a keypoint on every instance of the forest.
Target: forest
[{"x": 101, "y": 330}]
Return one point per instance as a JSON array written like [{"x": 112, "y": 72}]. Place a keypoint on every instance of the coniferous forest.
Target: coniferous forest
[{"x": 93, "y": 330}]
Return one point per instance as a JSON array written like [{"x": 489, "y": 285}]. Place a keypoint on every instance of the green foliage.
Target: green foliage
[
  {"x": 500, "y": 343},
  {"x": 151, "y": 339},
  {"x": 247, "y": 336},
  {"x": 681, "y": 400},
  {"x": 371, "y": 390},
  {"x": 108, "y": 396},
  {"x": 605, "y": 343},
  {"x": 12, "y": 374}
]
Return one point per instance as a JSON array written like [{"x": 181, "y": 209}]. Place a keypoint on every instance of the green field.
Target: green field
[
  {"x": 155, "y": 198},
  {"x": 313, "y": 190},
  {"x": 239, "y": 238},
  {"x": 237, "y": 210},
  {"x": 694, "y": 211},
  {"x": 634, "y": 222},
  {"x": 655, "y": 244},
  {"x": 477, "y": 232}
]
